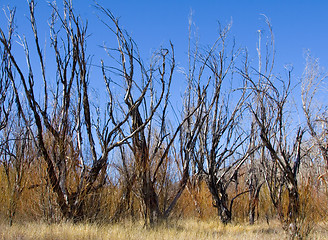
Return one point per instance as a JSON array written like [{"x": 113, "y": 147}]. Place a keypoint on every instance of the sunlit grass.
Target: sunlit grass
[{"x": 184, "y": 229}]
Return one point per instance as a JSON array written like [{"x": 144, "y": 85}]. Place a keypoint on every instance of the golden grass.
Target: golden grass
[{"x": 184, "y": 229}]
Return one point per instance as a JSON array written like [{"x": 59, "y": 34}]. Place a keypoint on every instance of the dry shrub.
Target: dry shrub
[
  {"x": 240, "y": 208},
  {"x": 37, "y": 202},
  {"x": 4, "y": 197},
  {"x": 312, "y": 205},
  {"x": 196, "y": 201}
]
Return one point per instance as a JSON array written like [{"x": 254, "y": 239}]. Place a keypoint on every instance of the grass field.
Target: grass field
[{"x": 186, "y": 229}]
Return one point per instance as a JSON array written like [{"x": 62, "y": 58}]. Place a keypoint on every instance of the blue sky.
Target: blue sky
[{"x": 298, "y": 25}]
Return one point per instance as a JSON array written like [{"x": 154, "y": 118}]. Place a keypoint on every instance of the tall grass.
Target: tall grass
[{"x": 182, "y": 229}]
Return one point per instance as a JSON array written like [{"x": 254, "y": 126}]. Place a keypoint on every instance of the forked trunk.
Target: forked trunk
[
  {"x": 224, "y": 213},
  {"x": 152, "y": 212},
  {"x": 220, "y": 200}
]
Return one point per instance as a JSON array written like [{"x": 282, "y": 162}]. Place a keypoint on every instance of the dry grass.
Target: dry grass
[{"x": 186, "y": 229}]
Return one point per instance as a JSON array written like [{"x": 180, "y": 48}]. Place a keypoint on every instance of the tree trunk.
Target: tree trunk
[
  {"x": 293, "y": 204},
  {"x": 150, "y": 200},
  {"x": 220, "y": 200},
  {"x": 254, "y": 195},
  {"x": 291, "y": 222},
  {"x": 224, "y": 213},
  {"x": 252, "y": 207}
]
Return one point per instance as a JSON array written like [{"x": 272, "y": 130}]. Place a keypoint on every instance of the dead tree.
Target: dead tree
[
  {"x": 153, "y": 143},
  {"x": 129, "y": 63},
  {"x": 16, "y": 150},
  {"x": 314, "y": 110},
  {"x": 282, "y": 157},
  {"x": 285, "y": 158},
  {"x": 219, "y": 153},
  {"x": 64, "y": 116},
  {"x": 13, "y": 140}
]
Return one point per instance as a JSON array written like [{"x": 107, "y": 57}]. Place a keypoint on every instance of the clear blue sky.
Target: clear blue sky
[{"x": 297, "y": 24}]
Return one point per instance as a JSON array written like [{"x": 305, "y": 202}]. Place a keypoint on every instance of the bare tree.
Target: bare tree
[
  {"x": 219, "y": 149},
  {"x": 152, "y": 145},
  {"x": 64, "y": 117},
  {"x": 13, "y": 140},
  {"x": 315, "y": 112},
  {"x": 283, "y": 156},
  {"x": 257, "y": 157},
  {"x": 6, "y": 96}
]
